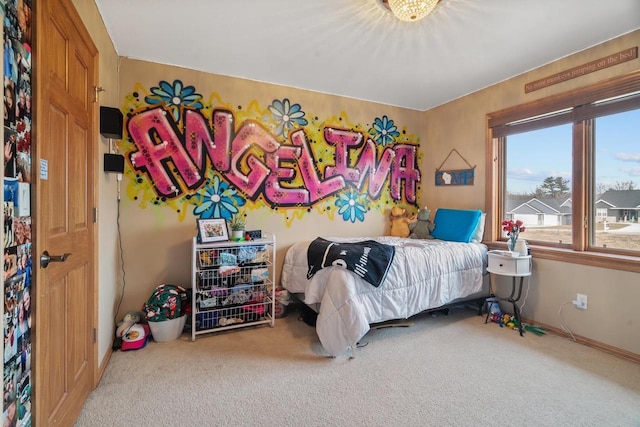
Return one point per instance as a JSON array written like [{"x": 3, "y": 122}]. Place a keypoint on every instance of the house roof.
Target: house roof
[
  {"x": 621, "y": 198},
  {"x": 357, "y": 49},
  {"x": 612, "y": 199},
  {"x": 547, "y": 206}
]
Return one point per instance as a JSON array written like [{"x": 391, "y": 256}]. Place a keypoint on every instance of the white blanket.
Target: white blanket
[{"x": 424, "y": 274}]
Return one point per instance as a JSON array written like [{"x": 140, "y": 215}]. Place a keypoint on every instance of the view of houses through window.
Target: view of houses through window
[{"x": 538, "y": 181}]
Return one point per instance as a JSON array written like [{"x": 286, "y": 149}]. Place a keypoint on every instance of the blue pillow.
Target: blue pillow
[{"x": 456, "y": 225}]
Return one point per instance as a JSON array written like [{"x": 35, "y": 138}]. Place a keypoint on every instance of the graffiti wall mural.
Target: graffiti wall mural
[{"x": 214, "y": 160}]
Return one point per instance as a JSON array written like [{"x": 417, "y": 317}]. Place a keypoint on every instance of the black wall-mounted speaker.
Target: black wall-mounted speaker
[
  {"x": 111, "y": 122},
  {"x": 113, "y": 163}
]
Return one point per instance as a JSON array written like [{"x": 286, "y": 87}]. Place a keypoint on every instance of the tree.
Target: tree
[
  {"x": 553, "y": 186},
  {"x": 602, "y": 187},
  {"x": 623, "y": 185}
]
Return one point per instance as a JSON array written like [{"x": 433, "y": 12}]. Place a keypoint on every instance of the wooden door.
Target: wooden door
[{"x": 65, "y": 351}]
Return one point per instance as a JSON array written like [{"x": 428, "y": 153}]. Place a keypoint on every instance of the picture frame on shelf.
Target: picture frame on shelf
[{"x": 212, "y": 230}]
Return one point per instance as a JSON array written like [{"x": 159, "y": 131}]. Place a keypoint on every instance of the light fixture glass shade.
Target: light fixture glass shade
[{"x": 411, "y": 10}]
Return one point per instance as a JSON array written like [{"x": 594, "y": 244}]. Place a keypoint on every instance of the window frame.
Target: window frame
[{"x": 575, "y": 106}]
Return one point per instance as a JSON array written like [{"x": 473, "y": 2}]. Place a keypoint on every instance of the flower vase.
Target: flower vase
[
  {"x": 511, "y": 244},
  {"x": 521, "y": 247}
]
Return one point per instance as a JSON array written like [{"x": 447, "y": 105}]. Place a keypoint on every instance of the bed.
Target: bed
[{"x": 423, "y": 274}]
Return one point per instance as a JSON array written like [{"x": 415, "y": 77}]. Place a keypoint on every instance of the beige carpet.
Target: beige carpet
[{"x": 442, "y": 371}]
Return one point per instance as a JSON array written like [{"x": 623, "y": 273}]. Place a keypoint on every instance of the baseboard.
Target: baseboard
[
  {"x": 103, "y": 367},
  {"x": 624, "y": 354}
]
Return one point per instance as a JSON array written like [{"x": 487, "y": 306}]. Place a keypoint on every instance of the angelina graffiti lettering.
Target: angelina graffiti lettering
[{"x": 220, "y": 165}]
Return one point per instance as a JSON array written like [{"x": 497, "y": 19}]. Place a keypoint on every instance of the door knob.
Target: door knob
[{"x": 45, "y": 258}]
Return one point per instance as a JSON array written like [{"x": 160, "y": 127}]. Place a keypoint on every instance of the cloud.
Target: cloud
[
  {"x": 628, "y": 157},
  {"x": 527, "y": 174},
  {"x": 632, "y": 171}
]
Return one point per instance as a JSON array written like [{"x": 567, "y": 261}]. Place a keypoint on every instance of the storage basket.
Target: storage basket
[{"x": 167, "y": 330}]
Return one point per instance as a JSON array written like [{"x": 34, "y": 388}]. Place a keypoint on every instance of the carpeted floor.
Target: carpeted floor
[{"x": 450, "y": 370}]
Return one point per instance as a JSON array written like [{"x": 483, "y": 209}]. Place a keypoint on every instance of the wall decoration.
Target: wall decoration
[
  {"x": 17, "y": 324},
  {"x": 212, "y": 230},
  {"x": 189, "y": 153},
  {"x": 581, "y": 70},
  {"x": 455, "y": 176}
]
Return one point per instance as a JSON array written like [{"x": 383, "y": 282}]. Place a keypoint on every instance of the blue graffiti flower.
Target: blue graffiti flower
[
  {"x": 351, "y": 206},
  {"x": 384, "y": 131},
  {"x": 174, "y": 96},
  {"x": 286, "y": 115},
  {"x": 218, "y": 201}
]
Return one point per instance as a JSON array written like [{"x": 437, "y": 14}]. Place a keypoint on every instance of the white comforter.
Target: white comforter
[{"x": 424, "y": 274}]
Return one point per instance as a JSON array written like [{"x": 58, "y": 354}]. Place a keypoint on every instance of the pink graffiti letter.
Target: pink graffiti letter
[
  {"x": 343, "y": 140},
  {"x": 198, "y": 139},
  {"x": 275, "y": 193},
  {"x": 155, "y": 135},
  {"x": 404, "y": 168},
  {"x": 378, "y": 172},
  {"x": 250, "y": 138},
  {"x": 317, "y": 189}
]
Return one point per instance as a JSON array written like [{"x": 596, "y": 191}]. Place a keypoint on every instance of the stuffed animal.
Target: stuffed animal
[
  {"x": 422, "y": 227},
  {"x": 400, "y": 222},
  {"x": 128, "y": 321}
]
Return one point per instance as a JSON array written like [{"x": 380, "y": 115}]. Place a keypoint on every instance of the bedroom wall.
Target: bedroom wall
[
  {"x": 160, "y": 204},
  {"x": 612, "y": 317}
]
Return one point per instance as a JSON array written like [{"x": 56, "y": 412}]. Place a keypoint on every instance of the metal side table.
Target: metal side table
[{"x": 503, "y": 263}]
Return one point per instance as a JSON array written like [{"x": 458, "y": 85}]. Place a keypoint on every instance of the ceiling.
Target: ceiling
[{"x": 357, "y": 49}]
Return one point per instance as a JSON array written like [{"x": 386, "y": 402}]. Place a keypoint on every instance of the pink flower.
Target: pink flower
[{"x": 513, "y": 227}]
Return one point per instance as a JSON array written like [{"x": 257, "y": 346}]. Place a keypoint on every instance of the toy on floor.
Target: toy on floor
[
  {"x": 538, "y": 330},
  {"x": 495, "y": 314},
  {"x": 509, "y": 321},
  {"x": 130, "y": 334},
  {"x": 127, "y": 322}
]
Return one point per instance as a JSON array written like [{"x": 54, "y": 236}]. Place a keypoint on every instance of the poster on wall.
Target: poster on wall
[
  {"x": 447, "y": 177},
  {"x": 16, "y": 206}
]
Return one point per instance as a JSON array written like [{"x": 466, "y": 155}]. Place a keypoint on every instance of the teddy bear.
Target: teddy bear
[
  {"x": 422, "y": 227},
  {"x": 400, "y": 222}
]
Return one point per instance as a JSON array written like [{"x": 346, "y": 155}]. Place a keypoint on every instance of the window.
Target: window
[
  {"x": 617, "y": 174},
  {"x": 568, "y": 166},
  {"x": 538, "y": 182}
]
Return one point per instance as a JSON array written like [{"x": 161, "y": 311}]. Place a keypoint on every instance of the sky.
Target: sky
[{"x": 533, "y": 156}]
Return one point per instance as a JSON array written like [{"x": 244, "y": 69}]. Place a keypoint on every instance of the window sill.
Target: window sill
[{"x": 594, "y": 259}]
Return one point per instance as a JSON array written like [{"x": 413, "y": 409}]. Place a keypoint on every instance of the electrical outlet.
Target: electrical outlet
[{"x": 581, "y": 302}]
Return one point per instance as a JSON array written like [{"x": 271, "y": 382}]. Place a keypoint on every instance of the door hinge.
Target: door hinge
[
  {"x": 95, "y": 333},
  {"x": 95, "y": 215}
]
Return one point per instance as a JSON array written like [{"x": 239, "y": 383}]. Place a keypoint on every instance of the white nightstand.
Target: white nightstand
[{"x": 503, "y": 263}]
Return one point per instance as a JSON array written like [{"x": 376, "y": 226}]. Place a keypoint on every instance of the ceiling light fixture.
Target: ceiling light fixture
[{"x": 410, "y": 10}]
